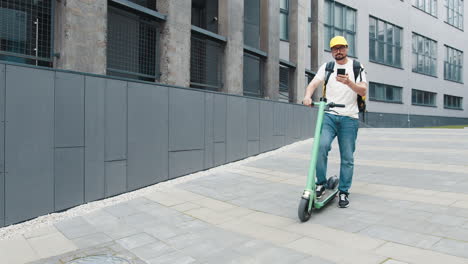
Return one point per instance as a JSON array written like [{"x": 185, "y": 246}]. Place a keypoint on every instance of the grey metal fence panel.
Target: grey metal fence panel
[
  {"x": 68, "y": 177},
  {"x": 219, "y": 153},
  {"x": 219, "y": 128},
  {"x": 29, "y": 143},
  {"x": 69, "y": 110},
  {"x": 290, "y": 125},
  {"x": 2, "y": 197},
  {"x": 2, "y": 144},
  {"x": 116, "y": 177},
  {"x": 94, "y": 138},
  {"x": 185, "y": 162},
  {"x": 2, "y": 119},
  {"x": 148, "y": 136},
  {"x": 209, "y": 130},
  {"x": 253, "y": 119},
  {"x": 186, "y": 120},
  {"x": 266, "y": 126},
  {"x": 220, "y": 103},
  {"x": 253, "y": 127},
  {"x": 115, "y": 120},
  {"x": 236, "y": 133},
  {"x": 279, "y": 125}
]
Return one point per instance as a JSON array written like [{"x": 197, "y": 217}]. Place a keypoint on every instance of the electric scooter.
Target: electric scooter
[{"x": 309, "y": 200}]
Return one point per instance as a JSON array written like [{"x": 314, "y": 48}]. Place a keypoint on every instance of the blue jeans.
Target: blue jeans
[{"x": 345, "y": 128}]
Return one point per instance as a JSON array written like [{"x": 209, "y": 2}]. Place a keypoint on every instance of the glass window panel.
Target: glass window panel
[
  {"x": 380, "y": 92},
  {"x": 420, "y": 63},
  {"x": 283, "y": 26},
  {"x": 338, "y": 16},
  {"x": 381, "y": 52},
  {"x": 328, "y": 15},
  {"x": 351, "y": 41},
  {"x": 372, "y": 90},
  {"x": 420, "y": 44},
  {"x": 372, "y": 44},
  {"x": 397, "y": 36},
  {"x": 389, "y": 54},
  {"x": 389, "y": 94},
  {"x": 372, "y": 27},
  {"x": 398, "y": 56},
  {"x": 381, "y": 30},
  {"x": 389, "y": 34},
  {"x": 350, "y": 20},
  {"x": 415, "y": 62}
]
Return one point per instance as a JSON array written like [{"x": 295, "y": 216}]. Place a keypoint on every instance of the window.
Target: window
[
  {"x": 205, "y": 63},
  {"x": 132, "y": 44},
  {"x": 453, "y": 102},
  {"x": 26, "y": 32},
  {"x": 385, "y": 93},
  {"x": 424, "y": 55},
  {"x": 205, "y": 14},
  {"x": 428, "y": 6},
  {"x": 252, "y": 23},
  {"x": 284, "y": 83},
  {"x": 453, "y": 64},
  {"x": 340, "y": 20},
  {"x": 423, "y": 98},
  {"x": 284, "y": 20},
  {"x": 252, "y": 76},
  {"x": 384, "y": 42},
  {"x": 454, "y": 13}
]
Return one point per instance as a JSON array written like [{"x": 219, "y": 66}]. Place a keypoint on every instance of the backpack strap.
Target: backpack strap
[
  {"x": 357, "y": 69},
  {"x": 329, "y": 70}
]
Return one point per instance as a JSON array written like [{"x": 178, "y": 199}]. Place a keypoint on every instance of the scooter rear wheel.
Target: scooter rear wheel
[{"x": 303, "y": 211}]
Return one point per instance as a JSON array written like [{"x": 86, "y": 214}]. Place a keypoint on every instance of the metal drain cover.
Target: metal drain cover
[{"x": 101, "y": 259}]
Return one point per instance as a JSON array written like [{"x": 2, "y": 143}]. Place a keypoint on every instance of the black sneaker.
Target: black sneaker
[
  {"x": 319, "y": 191},
  {"x": 343, "y": 202}
]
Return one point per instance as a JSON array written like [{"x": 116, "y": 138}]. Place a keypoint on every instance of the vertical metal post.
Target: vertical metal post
[{"x": 37, "y": 39}]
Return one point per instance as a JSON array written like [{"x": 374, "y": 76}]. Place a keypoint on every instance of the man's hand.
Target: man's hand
[
  {"x": 307, "y": 101},
  {"x": 343, "y": 79}
]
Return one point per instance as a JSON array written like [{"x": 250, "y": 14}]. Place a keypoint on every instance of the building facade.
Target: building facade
[
  {"x": 257, "y": 48},
  {"x": 413, "y": 52}
]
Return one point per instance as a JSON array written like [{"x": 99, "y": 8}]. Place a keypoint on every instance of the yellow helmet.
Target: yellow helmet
[{"x": 338, "y": 40}]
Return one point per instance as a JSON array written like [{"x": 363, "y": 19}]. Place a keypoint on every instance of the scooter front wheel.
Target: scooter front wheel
[{"x": 303, "y": 211}]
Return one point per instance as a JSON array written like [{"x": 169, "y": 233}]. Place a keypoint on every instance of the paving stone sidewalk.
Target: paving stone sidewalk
[{"x": 409, "y": 204}]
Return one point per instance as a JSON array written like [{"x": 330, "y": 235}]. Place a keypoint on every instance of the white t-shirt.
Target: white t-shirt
[{"x": 340, "y": 93}]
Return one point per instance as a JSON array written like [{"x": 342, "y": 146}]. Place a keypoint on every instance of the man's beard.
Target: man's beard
[{"x": 342, "y": 57}]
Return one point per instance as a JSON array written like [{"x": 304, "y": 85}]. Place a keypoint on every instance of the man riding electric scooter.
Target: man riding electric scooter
[{"x": 345, "y": 82}]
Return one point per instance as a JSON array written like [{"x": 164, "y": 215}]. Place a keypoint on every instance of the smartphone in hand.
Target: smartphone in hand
[{"x": 341, "y": 71}]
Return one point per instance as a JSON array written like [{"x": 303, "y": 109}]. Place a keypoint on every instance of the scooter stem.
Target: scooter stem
[{"x": 313, "y": 162}]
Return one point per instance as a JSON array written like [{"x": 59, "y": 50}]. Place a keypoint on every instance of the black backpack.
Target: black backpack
[{"x": 357, "y": 69}]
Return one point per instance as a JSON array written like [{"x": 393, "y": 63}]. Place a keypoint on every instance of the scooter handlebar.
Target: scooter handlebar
[{"x": 335, "y": 105}]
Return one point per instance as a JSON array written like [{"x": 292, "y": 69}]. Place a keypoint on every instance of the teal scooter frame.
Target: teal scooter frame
[{"x": 309, "y": 200}]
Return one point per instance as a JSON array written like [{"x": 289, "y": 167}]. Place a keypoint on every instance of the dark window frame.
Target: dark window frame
[
  {"x": 426, "y": 55},
  {"x": 447, "y": 64},
  {"x": 386, "y": 45},
  {"x": 393, "y": 88},
  {"x": 450, "y": 100},
  {"x": 415, "y": 94}
]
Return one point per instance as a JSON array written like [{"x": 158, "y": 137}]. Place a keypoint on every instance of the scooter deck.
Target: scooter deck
[{"x": 326, "y": 197}]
